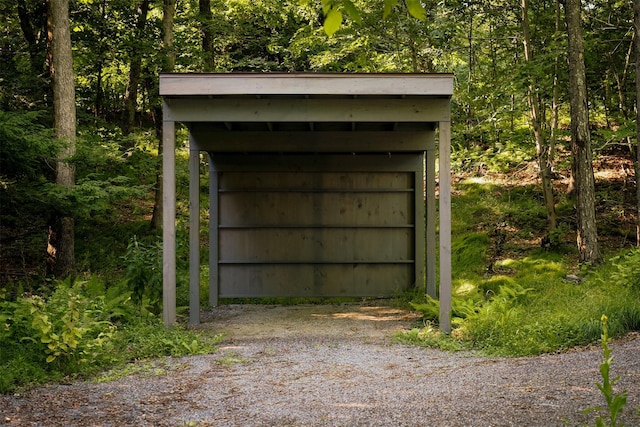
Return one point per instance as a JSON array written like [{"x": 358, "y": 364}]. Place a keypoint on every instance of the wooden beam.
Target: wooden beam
[
  {"x": 315, "y": 142},
  {"x": 168, "y": 223},
  {"x": 445, "y": 226},
  {"x": 203, "y": 109},
  {"x": 305, "y": 84},
  {"x": 296, "y": 163}
]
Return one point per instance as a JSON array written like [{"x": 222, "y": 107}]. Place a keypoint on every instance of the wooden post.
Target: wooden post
[
  {"x": 445, "y": 226},
  {"x": 168, "y": 221},
  {"x": 213, "y": 233},
  {"x": 420, "y": 226},
  {"x": 194, "y": 233},
  {"x": 430, "y": 194}
]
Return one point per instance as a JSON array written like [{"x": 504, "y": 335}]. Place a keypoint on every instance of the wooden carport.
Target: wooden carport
[{"x": 315, "y": 184}]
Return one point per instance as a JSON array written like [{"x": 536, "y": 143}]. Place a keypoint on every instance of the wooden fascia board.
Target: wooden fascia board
[
  {"x": 347, "y": 142},
  {"x": 306, "y": 84},
  {"x": 307, "y": 110}
]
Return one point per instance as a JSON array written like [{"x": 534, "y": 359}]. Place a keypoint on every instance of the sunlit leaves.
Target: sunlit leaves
[
  {"x": 352, "y": 11},
  {"x": 388, "y": 7},
  {"x": 416, "y": 9},
  {"x": 332, "y": 21},
  {"x": 333, "y": 16}
]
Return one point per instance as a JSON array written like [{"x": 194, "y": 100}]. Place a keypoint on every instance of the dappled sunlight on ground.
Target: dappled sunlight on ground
[{"x": 335, "y": 321}]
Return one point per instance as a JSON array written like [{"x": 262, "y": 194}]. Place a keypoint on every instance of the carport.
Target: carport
[{"x": 320, "y": 185}]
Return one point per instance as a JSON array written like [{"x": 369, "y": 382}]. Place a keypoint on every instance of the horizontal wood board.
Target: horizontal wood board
[{"x": 337, "y": 280}]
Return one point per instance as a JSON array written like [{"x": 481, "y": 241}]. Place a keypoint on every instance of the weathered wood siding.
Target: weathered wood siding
[{"x": 315, "y": 227}]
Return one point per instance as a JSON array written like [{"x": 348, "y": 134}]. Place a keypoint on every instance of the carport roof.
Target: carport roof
[{"x": 310, "y": 84}]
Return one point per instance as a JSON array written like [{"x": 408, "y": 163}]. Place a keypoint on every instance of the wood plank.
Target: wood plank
[
  {"x": 306, "y": 84},
  {"x": 351, "y": 280},
  {"x": 320, "y": 181},
  {"x": 307, "y": 110},
  {"x": 404, "y": 162},
  {"x": 315, "y": 208},
  {"x": 317, "y": 245},
  {"x": 315, "y": 142}
]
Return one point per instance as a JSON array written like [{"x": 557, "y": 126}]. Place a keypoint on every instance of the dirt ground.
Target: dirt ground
[{"x": 333, "y": 365}]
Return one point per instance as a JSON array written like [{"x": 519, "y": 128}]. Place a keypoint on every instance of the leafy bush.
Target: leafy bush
[
  {"x": 143, "y": 273},
  {"x": 54, "y": 335},
  {"x": 80, "y": 328}
]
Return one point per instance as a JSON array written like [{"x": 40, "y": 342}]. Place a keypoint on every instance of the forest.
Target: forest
[{"x": 544, "y": 155}]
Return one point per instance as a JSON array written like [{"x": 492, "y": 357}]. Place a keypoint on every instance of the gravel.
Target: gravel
[{"x": 334, "y": 365}]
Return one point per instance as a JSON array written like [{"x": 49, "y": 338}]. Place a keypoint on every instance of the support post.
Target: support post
[
  {"x": 419, "y": 221},
  {"x": 213, "y": 233},
  {"x": 430, "y": 194},
  {"x": 445, "y": 225},
  {"x": 168, "y": 221},
  {"x": 194, "y": 233}
]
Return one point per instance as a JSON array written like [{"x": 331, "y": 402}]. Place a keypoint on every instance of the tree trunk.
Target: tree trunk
[
  {"x": 636, "y": 22},
  {"x": 60, "y": 247},
  {"x": 587, "y": 233},
  {"x": 168, "y": 65},
  {"x": 542, "y": 148},
  {"x": 131, "y": 95},
  {"x": 207, "y": 34}
]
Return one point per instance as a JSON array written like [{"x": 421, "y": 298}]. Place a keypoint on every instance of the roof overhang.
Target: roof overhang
[{"x": 233, "y": 108}]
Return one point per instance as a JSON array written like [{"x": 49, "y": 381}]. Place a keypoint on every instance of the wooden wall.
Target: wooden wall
[{"x": 318, "y": 224}]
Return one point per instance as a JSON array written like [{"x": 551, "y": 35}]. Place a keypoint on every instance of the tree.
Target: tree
[
  {"x": 135, "y": 68},
  {"x": 543, "y": 149},
  {"x": 168, "y": 65},
  {"x": 60, "y": 246},
  {"x": 636, "y": 22},
  {"x": 206, "y": 30},
  {"x": 587, "y": 233}
]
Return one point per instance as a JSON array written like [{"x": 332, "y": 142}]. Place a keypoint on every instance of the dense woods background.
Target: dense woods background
[
  {"x": 89, "y": 174},
  {"x": 510, "y": 60}
]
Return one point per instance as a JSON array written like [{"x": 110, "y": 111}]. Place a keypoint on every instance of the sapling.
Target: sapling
[{"x": 615, "y": 401}]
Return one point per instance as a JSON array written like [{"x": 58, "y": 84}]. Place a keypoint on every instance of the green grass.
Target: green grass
[{"x": 514, "y": 300}]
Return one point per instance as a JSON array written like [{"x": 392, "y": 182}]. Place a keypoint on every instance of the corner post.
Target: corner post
[
  {"x": 194, "y": 232},
  {"x": 445, "y": 225},
  {"x": 213, "y": 233},
  {"x": 430, "y": 194},
  {"x": 168, "y": 219}
]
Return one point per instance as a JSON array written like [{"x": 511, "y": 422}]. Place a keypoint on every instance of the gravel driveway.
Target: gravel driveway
[{"x": 334, "y": 365}]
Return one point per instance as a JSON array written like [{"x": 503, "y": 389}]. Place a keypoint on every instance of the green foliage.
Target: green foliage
[
  {"x": 524, "y": 305},
  {"x": 625, "y": 268},
  {"x": 615, "y": 401},
  {"x": 143, "y": 273},
  {"x": 61, "y": 334},
  {"x": 80, "y": 328}
]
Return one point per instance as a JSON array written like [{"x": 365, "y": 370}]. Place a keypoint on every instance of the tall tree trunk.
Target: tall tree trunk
[
  {"x": 636, "y": 22},
  {"x": 207, "y": 34},
  {"x": 60, "y": 247},
  {"x": 168, "y": 65},
  {"x": 587, "y": 233},
  {"x": 542, "y": 148},
  {"x": 131, "y": 94}
]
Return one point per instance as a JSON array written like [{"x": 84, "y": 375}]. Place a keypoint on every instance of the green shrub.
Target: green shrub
[{"x": 80, "y": 328}]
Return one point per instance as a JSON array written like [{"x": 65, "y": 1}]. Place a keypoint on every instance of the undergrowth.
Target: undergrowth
[
  {"x": 81, "y": 328},
  {"x": 511, "y": 300}
]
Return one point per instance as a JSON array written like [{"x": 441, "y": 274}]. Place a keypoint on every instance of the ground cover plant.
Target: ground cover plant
[{"x": 514, "y": 295}]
